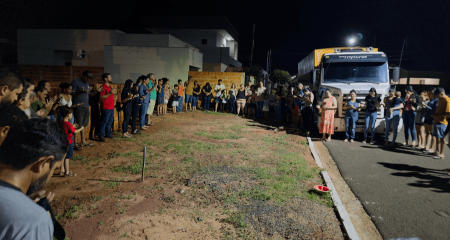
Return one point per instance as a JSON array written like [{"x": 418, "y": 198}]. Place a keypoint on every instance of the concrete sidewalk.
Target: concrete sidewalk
[{"x": 406, "y": 192}]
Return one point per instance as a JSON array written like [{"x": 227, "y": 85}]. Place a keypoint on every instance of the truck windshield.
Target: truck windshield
[{"x": 350, "y": 72}]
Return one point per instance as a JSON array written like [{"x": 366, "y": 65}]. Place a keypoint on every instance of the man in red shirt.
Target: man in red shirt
[{"x": 107, "y": 102}]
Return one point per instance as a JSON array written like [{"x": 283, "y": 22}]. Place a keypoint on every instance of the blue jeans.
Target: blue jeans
[
  {"x": 189, "y": 99},
  {"x": 369, "y": 120},
  {"x": 52, "y": 117},
  {"x": 395, "y": 120},
  {"x": 180, "y": 104},
  {"x": 409, "y": 124},
  {"x": 206, "y": 102},
  {"x": 126, "y": 117},
  {"x": 259, "y": 106},
  {"x": 144, "y": 108},
  {"x": 106, "y": 123},
  {"x": 278, "y": 111},
  {"x": 194, "y": 101},
  {"x": 232, "y": 104},
  {"x": 350, "y": 125},
  {"x": 135, "y": 112}
]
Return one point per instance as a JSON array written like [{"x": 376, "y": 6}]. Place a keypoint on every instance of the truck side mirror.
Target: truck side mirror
[
  {"x": 313, "y": 77},
  {"x": 396, "y": 74}
]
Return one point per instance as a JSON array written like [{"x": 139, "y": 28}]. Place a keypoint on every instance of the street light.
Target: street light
[{"x": 351, "y": 41}]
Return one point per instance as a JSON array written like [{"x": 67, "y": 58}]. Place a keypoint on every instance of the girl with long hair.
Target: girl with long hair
[
  {"x": 232, "y": 94},
  {"x": 241, "y": 95},
  {"x": 329, "y": 106},
  {"x": 127, "y": 97},
  {"x": 206, "y": 96},
  {"x": 372, "y": 103}
]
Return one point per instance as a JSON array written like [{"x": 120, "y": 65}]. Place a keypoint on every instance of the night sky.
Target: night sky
[{"x": 292, "y": 29}]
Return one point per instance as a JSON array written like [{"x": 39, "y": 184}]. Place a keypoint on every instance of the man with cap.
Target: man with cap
[
  {"x": 81, "y": 94},
  {"x": 440, "y": 122}
]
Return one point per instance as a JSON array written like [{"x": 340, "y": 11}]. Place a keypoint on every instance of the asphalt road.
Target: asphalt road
[{"x": 406, "y": 193}]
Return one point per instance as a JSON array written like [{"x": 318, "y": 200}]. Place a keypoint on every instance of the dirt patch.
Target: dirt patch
[
  {"x": 364, "y": 226},
  {"x": 207, "y": 176}
]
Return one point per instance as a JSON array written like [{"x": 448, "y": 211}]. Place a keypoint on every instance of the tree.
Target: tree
[
  {"x": 255, "y": 71},
  {"x": 280, "y": 76}
]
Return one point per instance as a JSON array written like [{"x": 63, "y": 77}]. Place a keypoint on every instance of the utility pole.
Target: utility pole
[{"x": 253, "y": 43}]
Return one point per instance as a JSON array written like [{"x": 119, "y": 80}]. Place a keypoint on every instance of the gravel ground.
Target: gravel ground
[{"x": 298, "y": 219}]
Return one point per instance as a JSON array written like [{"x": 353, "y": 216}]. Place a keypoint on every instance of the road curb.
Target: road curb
[{"x": 345, "y": 219}]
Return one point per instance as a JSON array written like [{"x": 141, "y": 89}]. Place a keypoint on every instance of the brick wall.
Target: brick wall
[
  {"x": 59, "y": 74},
  {"x": 228, "y": 78}
]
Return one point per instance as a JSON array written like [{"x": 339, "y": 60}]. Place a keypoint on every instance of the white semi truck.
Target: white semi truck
[{"x": 344, "y": 69}]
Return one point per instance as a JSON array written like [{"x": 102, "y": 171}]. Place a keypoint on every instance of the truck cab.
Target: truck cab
[{"x": 345, "y": 69}]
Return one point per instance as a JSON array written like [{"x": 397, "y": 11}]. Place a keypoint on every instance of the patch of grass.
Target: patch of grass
[
  {"x": 101, "y": 223},
  {"x": 238, "y": 128},
  {"x": 124, "y": 235},
  {"x": 276, "y": 140},
  {"x": 71, "y": 212},
  {"x": 95, "y": 199},
  {"x": 322, "y": 198},
  {"x": 97, "y": 160},
  {"x": 58, "y": 217},
  {"x": 216, "y": 113},
  {"x": 218, "y": 135},
  {"x": 122, "y": 211},
  {"x": 109, "y": 184},
  {"x": 236, "y": 218},
  {"x": 305, "y": 143},
  {"x": 124, "y": 197},
  {"x": 169, "y": 199},
  {"x": 79, "y": 158}
]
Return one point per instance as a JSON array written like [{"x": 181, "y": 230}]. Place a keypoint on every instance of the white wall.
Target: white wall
[
  {"x": 125, "y": 62},
  {"x": 37, "y": 46},
  {"x": 221, "y": 41}
]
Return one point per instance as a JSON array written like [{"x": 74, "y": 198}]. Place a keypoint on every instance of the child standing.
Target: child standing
[
  {"x": 224, "y": 98},
  {"x": 266, "y": 105},
  {"x": 175, "y": 98},
  {"x": 69, "y": 129},
  {"x": 166, "y": 96},
  {"x": 160, "y": 91}
]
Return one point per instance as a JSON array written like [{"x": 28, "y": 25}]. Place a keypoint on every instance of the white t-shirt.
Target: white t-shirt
[
  {"x": 260, "y": 94},
  {"x": 219, "y": 87}
]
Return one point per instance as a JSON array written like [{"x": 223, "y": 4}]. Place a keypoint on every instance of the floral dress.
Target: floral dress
[{"x": 327, "y": 119}]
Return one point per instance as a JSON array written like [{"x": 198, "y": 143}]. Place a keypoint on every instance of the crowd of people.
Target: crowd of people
[
  {"x": 424, "y": 117},
  {"x": 38, "y": 131}
]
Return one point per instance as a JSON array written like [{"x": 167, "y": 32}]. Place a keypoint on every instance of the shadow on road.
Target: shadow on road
[
  {"x": 431, "y": 178},
  {"x": 401, "y": 150}
]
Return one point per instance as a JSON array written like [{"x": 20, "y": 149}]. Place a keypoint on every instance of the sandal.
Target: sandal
[
  {"x": 372, "y": 142},
  {"x": 78, "y": 147},
  {"x": 137, "y": 131},
  {"x": 351, "y": 140},
  {"x": 438, "y": 157},
  {"x": 151, "y": 124},
  {"x": 71, "y": 174},
  {"x": 346, "y": 140},
  {"x": 62, "y": 174}
]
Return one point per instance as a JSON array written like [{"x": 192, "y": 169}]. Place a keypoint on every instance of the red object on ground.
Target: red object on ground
[{"x": 321, "y": 188}]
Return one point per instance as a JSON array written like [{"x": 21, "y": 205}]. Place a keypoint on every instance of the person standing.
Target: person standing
[
  {"x": 145, "y": 96},
  {"x": 46, "y": 84},
  {"x": 107, "y": 103},
  {"x": 298, "y": 106},
  {"x": 218, "y": 90},
  {"x": 127, "y": 106},
  {"x": 247, "y": 88},
  {"x": 409, "y": 115},
  {"x": 329, "y": 106},
  {"x": 307, "y": 110},
  {"x": 420, "y": 119},
  {"x": 278, "y": 103},
  {"x": 175, "y": 98},
  {"x": 81, "y": 94},
  {"x": 167, "y": 90},
  {"x": 137, "y": 103},
  {"x": 352, "y": 108},
  {"x": 152, "y": 92},
  {"x": 206, "y": 96},
  {"x": 180, "y": 96},
  {"x": 430, "y": 108},
  {"x": 65, "y": 100},
  {"x": 241, "y": 96},
  {"x": 393, "y": 104},
  {"x": 189, "y": 85},
  {"x": 260, "y": 91},
  {"x": 160, "y": 91},
  {"x": 440, "y": 122},
  {"x": 370, "y": 116},
  {"x": 232, "y": 93},
  {"x": 195, "y": 95},
  {"x": 11, "y": 85}
]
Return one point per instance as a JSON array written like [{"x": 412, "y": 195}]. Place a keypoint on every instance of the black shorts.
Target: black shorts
[{"x": 81, "y": 115}]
